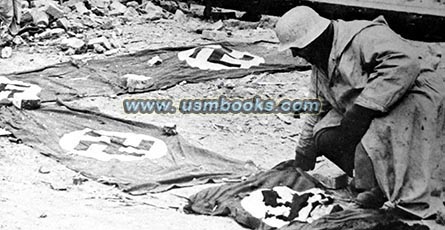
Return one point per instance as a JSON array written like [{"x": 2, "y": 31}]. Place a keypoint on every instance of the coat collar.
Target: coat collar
[{"x": 344, "y": 32}]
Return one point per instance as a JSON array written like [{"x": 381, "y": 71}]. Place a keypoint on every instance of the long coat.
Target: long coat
[{"x": 372, "y": 66}]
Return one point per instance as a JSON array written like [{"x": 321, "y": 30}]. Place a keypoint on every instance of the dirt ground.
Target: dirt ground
[{"x": 36, "y": 192}]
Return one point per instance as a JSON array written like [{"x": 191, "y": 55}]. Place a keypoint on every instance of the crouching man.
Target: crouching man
[{"x": 383, "y": 119}]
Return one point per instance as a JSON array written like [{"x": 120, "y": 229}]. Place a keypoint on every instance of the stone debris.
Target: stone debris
[
  {"x": 154, "y": 12},
  {"x": 180, "y": 16},
  {"x": 72, "y": 43},
  {"x": 214, "y": 35},
  {"x": 67, "y": 24},
  {"x": 156, "y": 60},
  {"x": 101, "y": 41},
  {"x": 136, "y": 82},
  {"x": 6, "y": 52},
  {"x": 81, "y": 8}
]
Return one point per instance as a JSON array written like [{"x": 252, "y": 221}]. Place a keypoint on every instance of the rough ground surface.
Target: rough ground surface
[{"x": 38, "y": 193}]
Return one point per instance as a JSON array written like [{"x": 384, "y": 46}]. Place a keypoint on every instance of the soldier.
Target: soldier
[{"x": 383, "y": 118}]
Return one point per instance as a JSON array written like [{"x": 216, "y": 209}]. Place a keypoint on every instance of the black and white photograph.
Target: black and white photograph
[{"x": 222, "y": 114}]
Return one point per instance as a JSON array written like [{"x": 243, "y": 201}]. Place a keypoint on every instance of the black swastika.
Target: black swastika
[
  {"x": 218, "y": 54},
  {"x": 114, "y": 145}
]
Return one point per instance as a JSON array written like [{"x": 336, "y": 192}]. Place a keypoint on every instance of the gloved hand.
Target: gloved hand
[
  {"x": 304, "y": 161},
  {"x": 345, "y": 137}
]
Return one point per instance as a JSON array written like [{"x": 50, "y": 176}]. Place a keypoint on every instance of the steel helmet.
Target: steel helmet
[{"x": 299, "y": 26}]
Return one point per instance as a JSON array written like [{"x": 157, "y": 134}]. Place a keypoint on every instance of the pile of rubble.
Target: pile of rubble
[
  {"x": 64, "y": 23},
  {"x": 67, "y": 22}
]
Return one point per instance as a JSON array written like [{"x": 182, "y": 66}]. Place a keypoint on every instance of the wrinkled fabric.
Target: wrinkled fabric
[
  {"x": 71, "y": 80},
  {"x": 137, "y": 157},
  {"x": 226, "y": 200},
  {"x": 375, "y": 68}
]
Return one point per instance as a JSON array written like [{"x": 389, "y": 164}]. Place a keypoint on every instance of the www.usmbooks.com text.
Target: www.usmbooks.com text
[{"x": 222, "y": 105}]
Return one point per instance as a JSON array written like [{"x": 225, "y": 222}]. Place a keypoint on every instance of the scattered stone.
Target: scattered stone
[
  {"x": 102, "y": 41},
  {"x": 39, "y": 17},
  {"x": 117, "y": 8},
  {"x": 193, "y": 26},
  {"x": 136, "y": 82},
  {"x": 180, "y": 16},
  {"x": 73, "y": 43},
  {"x": 169, "y": 129},
  {"x": 18, "y": 40},
  {"x": 81, "y": 8},
  {"x": 131, "y": 13},
  {"x": 53, "y": 10},
  {"x": 51, "y": 33},
  {"x": 43, "y": 215},
  {"x": 102, "y": 4},
  {"x": 99, "y": 49},
  {"x": 115, "y": 43},
  {"x": 6, "y": 52},
  {"x": 219, "y": 25},
  {"x": 154, "y": 12},
  {"x": 76, "y": 26},
  {"x": 214, "y": 35},
  {"x": 108, "y": 25},
  {"x": 156, "y": 60},
  {"x": 100, "y": 11},
  {"x": 72, "y": 3},
  {"x": 133, "y": 4},
  {"x": 70, "y": 52},
  {"x": 63, "y": 23},
  {"x": 330, "y": 175},
  {"x": 111, "y": 52},
  {"x": 118, "y": 31}
]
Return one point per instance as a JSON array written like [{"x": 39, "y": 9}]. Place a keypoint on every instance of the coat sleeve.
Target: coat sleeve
[
  {"x": 392, "y": 64},
  {"x": 306, "y": 144}
]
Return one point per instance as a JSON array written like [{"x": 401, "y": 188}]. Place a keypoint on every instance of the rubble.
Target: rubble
[
  {"x": 136, "y": 82},
  {"x": 73, "y": 43},
  {"x": 214, "y": 35},
  {"x": 99, "y": 48},
  {"x": 51, "y": 33},
  {"x": 70, "y": 21},
  {"x": 180, "y": 16},
  {"x": 131, "y": 13},
  {"x": 53, "y": 10},
  {"x": 101, "y": 4},
  {"x": 81, "y": 8},
  {"x": 6, "y": 52},
  {"x": 39, "y": 17},
  {"x": 102, "y": 41},
  {"x": 117, "y": 8},
  {"x": 156, "y": 60},
  {"x": 154, "y": 12},
  {"x": 63, "y": 23}
]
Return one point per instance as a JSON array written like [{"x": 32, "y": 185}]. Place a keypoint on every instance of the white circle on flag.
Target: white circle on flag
[{"x": 108, "y": 145}]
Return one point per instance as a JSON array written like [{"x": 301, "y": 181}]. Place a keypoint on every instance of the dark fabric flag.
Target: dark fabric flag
[
  {"x": 136, "y": 156},
  {"x": 161, "y": 68},
  {"x": 235, "y": 200}
]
